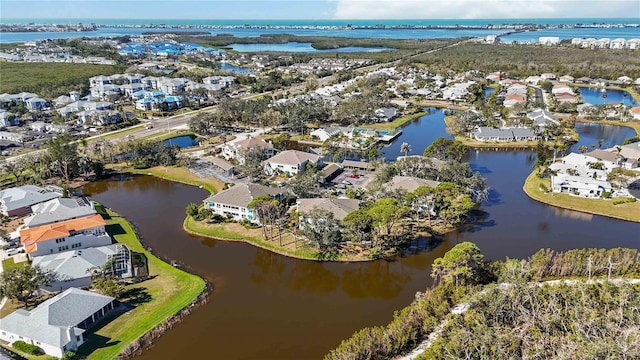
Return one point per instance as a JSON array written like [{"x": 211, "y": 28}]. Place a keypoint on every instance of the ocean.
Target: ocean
[{"x": 115, "y": 27}]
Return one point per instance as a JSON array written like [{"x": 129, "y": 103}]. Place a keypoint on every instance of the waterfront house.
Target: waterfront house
[
  {"x": 58, "y": 324},
  {"x": 524, "y": 134},
  {"x": 66, "y": 235},
  {"x": 386, "y": 114},
  {"x": 561, "y": 88},
  {"x": 237, "y": 149},
  {"x": 565, "y": 97},
  {"x": 549, "y": 40},
  {"x": 579, "y": 186},
  {"x": 340, "y": 208},
  {"x": 492, "y": 134},
  {"x": 409, "y": 183},
  {"x": 566, "y": 78},
  {"x": 74, "y": 268},
  {"x": 57, "y": 210},
  {"x": 577, "y": 170},
  {"x": 290, "y": 162},
  {"x": 234, "y": 202},
  {"x": 608, "y": 159},
  {"x": 628, "y": 155},
  {"x": 19, "y": 200},
  {"x": 635, "y": 112}
]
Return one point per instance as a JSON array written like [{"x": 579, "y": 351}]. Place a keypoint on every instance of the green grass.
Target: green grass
[
  {"x": 181, "y": 175},
  {"x": 218, "y": 232},
  {"x": 8, "y": 264},
  {"x": 397, "y": 122},
  {"x": 29, "y": 356},
  {"x": 628, "y": 211},
  {"x": 170, "y": 290},
  {"x": 50, "y": 79}
]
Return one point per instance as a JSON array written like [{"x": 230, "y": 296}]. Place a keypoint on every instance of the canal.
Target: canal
[{"x": 269, "y": 306}]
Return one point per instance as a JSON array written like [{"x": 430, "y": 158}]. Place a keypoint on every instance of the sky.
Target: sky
[{"x": 316, "y": 9}]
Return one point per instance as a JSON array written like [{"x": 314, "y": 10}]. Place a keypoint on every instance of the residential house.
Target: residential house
[
  {"x": 409, "y": 183},
  {"x": 323, "y": 134},
  {"x": 290, "y": 162},
  {"x": 223, "y": 165},
  {"x": 386, "y": 114},
  {"x": 579, "y": 186},
  {"x": 577, "y": 170},
  {"x": 493, "y": 134},
  {"x": 628, "y": 155},
  {"x": 35, "y": 103},
  {"x": 561, "y": 88},
  {"x": 524, "y": 134},
  {"x": 66, "y": 235},
  {"x": 635, "y": 112},
  {"x": 74, "y": 268},
  {"x": 511, "y": 100},
  {"x": 533, "y": 80},
  {"x": 340, "y": 208},
  {"x": 549, "y": 40},
  {"x": 13, "y": 137},
  {"x": 542, "y": 118},
  {"x": 566, "y": 98},
  {"x": 8, "y": 118},
  {"x": 58, "y": 324},
  {"x": 57, "y": 210},
  {"x": 548, "y": 76},
  {"x": 356, "y": 165},
  {"x": 457, "y": 91},
  {"x": 234, "y": 202},
  {"x": 608, "y": 159},
  {"x": 330, "y": 171},
  {"x": 19, "y": 200},
  {"x": 566, "y": 78},
  {"x": 237, "y": 149}
]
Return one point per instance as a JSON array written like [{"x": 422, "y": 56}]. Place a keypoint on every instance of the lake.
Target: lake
[
  {"x": 269, "y": 306},
  {"x": 184, "y": 141}
]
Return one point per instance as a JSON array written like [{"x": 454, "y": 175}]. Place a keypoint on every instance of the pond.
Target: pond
[
  {"x": 597, "y": 96},
  {"x": 299, "y": 47},
  {"x": 183, "y": 141},
  {"x": 269, "y": 306},
  {"x": 235, "y": 69}
]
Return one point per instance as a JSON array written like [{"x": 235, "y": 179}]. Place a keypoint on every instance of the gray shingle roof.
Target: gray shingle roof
[
  {"x": 56, "y": 210},
  {"x": 74, "y": 264},
  {"x": 409, "y": 183},
  {"x": 293, "y": 157},
  {"x": 48, "y": 323},
  {"x": 242, "y": 194},
  {"x": 24, "y": 196},
  {"x": 338, "y": 207}
]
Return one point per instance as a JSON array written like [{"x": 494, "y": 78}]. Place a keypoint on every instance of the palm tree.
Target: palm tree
[{"x": 405, "y": 148}]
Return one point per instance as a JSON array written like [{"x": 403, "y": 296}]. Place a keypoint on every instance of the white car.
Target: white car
[{"x": 14, "y": 251}]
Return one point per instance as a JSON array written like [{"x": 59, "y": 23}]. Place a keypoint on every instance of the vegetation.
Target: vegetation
[
  {"x": 538, "y": 189},
  {"x": 525, "y": 60},
  {"x": 27, "y": 348},
  {"x": 50, "y": 80},
  {"x": 21, "y": 284},
  {"x": 167, "y": 291},
  {"x": 519, "y": 318}
]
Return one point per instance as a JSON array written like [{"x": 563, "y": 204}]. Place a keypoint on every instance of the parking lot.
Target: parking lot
[
  {"x": 204, "y": 168},
  {"x": 348, "y": 180}
]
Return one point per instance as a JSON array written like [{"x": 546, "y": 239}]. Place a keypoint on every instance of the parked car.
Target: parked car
[
  {"x": 354, "y": 176},
  {"x": 14, "y": 251}
]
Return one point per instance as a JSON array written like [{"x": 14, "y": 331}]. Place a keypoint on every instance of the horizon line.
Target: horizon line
[{"x": 324, "y": 19}]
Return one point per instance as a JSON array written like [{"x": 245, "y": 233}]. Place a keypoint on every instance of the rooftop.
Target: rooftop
[
  {"x": 242, "y": 194},
  {"x": 60, "y": 229}
]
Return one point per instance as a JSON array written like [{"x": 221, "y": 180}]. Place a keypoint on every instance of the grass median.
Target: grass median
[
  {"x": 168, "y": 291},
  {"x": 533, "y": 188}
]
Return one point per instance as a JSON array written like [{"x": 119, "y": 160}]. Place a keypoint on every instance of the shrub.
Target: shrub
[
  {"x": 248, "y": 224},
  {"x": 606, "y": 194},
  {"x": 28, "y": 348},
  {"x": 624, "y": 201},
  {"x": 140, "y": 166}
]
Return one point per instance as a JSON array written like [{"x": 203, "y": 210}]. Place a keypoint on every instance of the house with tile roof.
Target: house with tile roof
[
  {"x": 65, "y": 235},
  {"x": 74, "y": 268},
  {"x": 234, "y": 202},
  {"x": 58, "y": 324},
  {"x": 290, "y": 162},
  {"x": 18, "y": 200}
]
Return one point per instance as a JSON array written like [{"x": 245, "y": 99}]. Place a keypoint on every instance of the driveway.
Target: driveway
[{"x": 204, "y": 168}]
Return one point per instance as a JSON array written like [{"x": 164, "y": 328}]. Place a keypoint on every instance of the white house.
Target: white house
[
  {"x": 629, "y": 155},
  {"x": 566, "y": 78},
  {"x": 13, "y": 137},
  {"x": 35, "y": 103},
  {"x": 234, "y": 202},
  {"x": 548, "y": 40},
  {"x": 58, "y": 324},
  {"x": 74, "y": 268},
  {"x": 290, "y": 162},
  {"x": 607, "y": 159},
  {"x": 542, "y": 118},
  {"x": 18, "y": 200},
  {"x": 237, "y": 149},
  {"x": 579, "y": 186},
  {"x": 66, "y": 235}
]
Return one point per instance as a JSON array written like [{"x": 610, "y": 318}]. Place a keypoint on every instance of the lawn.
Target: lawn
[
  {"x": 181, "y": 175},
  {"x": 8, "y": 264},
  {"x": 237, "y": 232},
  {"x": 167, "y": 292},
  {"x": 629, "y": 211}
]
